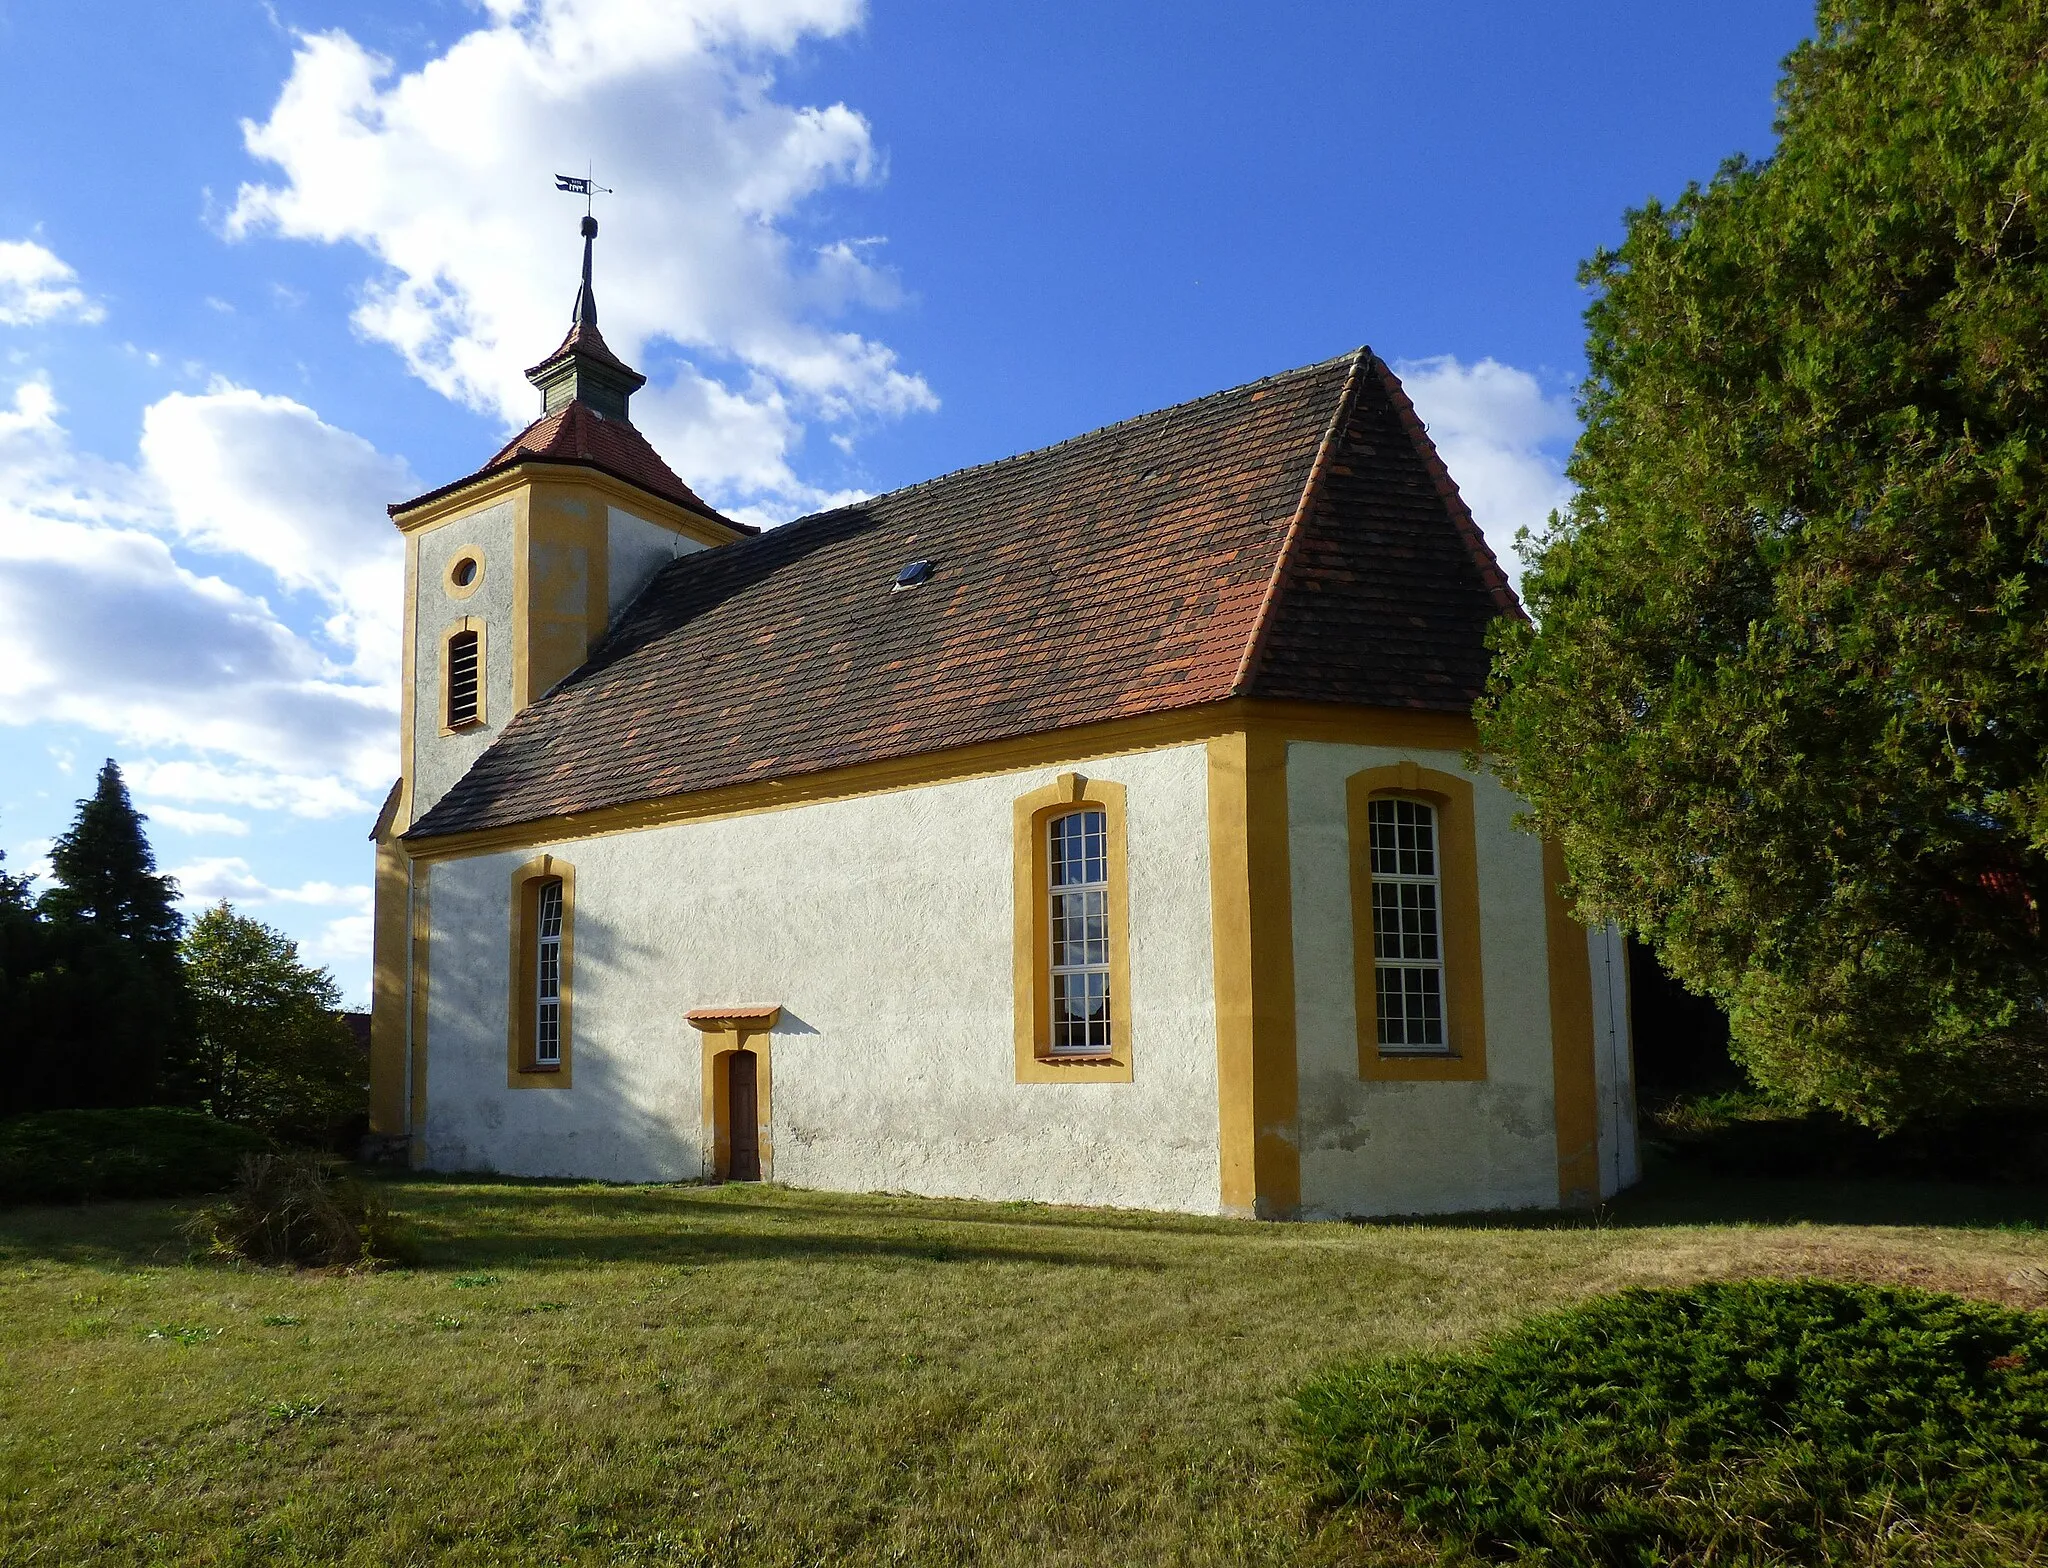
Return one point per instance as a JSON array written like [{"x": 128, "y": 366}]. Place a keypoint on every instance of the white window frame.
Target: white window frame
[
  {"x": 1081, "y": 961},
  {"x": 547, "y": 976},
  {"x": 1407, "y": 867}
]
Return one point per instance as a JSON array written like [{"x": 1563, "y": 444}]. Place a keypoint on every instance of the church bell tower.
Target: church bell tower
[{"x": 512, "y": 575}]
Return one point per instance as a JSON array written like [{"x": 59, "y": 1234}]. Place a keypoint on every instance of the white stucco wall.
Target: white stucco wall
[
  {"x": 883, "y": 926},
  {"x": 439, "y": 760},
  {"x": 1417, "y": 1148},
  {"x": 637, "y": 549}
]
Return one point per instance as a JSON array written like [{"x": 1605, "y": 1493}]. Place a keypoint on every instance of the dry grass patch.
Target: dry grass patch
[{"x": 739, "y": 1375}]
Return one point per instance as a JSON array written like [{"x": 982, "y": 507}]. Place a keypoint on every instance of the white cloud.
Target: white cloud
[
  {"x": 344, "y": 940},
  {"x": 196, "y": 822},
  {"x": 1502, "y": 437},
  {"x": 102, "y": 626},
  {"x": 229, "y": 877},
  {"x": 267, "y": 479},
  {"x": 441, "y": 174},
  {"x": 37, "y": 286}
]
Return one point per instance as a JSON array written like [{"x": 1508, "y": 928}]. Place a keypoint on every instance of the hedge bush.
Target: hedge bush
[
  {"x": 1766, "y": 1422},
  {"x": 151, "y": 1152}
]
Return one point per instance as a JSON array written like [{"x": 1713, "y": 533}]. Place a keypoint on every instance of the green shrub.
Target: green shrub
[
  {"x": 300, "y": 1207},
  {"x": 1767, "y": 1422},
  {"x": 72, "y": 1156}
]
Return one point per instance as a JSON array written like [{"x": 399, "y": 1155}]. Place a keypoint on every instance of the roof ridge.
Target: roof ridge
[
  {"x": 1311, "y": 489},
  {"x": 1054, "y": 446}
]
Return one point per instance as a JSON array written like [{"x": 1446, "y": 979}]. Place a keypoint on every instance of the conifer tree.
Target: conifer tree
[
  {"x": 109, "y": 1009},
  {"x": 105, "y": 871}
]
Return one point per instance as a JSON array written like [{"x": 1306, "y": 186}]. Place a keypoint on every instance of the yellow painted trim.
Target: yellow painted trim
[
  {"x": 409, "y": 657},
  {"x": 468, "y": 623},
  {"x": 1574, "y": 1086},
  {"x": 720, "y": 1043},
  {"x": 422, "y": 954},
  {"x": 1084, "y": 742},
  {"x": 469, "y": 552},
  {"x": 1464, "y": 972},
  {"x": 491, "y": 488},
  {"x": 1410, "y": 729},
  {"x": 522, "y": 592},
  {"x": 388, "y": 937},
  {"x": 1252, "y": 931},
  {"x": 1032, "y": 958},
  {"x": 524, "y": 905},
  {"x": 565, "y": 559}
]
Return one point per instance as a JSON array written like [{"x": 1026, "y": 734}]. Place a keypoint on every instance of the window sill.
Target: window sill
[
  {"x": 1425, "y": 1066},
  {"x": 1074, "y": 1069}
]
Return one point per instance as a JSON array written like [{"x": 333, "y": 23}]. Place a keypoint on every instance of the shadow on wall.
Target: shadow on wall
[{"x": 612, "y": 1125}]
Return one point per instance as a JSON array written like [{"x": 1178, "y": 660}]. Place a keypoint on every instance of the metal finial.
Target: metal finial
[{"x": 585, "y": 313}]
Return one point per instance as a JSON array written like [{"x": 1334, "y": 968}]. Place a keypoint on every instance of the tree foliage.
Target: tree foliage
[
  {"x": 268, "y": 1049},
  {"x": 92, "y": 982},
  {"x": 1785, "y": 697}
]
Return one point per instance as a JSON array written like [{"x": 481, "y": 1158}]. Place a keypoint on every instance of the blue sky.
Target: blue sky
[{"x": 267, "y": 266}]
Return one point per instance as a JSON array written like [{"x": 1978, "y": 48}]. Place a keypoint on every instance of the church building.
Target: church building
[{"x": 1096, "y": 826}]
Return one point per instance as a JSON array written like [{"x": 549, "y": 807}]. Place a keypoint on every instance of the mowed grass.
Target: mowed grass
[{"x": 752, "y": 1375}]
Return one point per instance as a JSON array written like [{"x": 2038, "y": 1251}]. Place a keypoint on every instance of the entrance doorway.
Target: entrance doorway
[{"x": 743, "y": 1110}]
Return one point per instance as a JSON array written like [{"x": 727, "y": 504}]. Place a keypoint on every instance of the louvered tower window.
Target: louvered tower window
[
  {"x": 1407, "y": 931},
  {"x": 463, "y": 679}
]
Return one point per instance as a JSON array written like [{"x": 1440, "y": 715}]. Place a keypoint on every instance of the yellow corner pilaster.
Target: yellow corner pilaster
[
  {"x": 1573, "y": 1080},
  {"x": 1252, "y": 924}
]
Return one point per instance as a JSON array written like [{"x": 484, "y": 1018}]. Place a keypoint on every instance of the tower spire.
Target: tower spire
[
  {"x": 585, "y": 314},
  {"x": 584, "y": 369}
]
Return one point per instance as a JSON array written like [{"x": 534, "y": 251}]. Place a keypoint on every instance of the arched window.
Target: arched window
[
  {"x": 1407, "y": 925},
  {"x": 1073, "y": 950},
  {"x": 1077, "y": 861},
  {"x": 1420, "y": 988},
  {"x": 462, "y": 675},
  {"x": 547, "y": 975},
  {"x": 540, "y": 1039}
]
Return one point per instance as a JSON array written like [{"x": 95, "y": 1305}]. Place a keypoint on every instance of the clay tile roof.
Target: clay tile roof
[
  {"x": 1292, "y": 539},
  {"x": 585, "y": 339},
  {"x": 577, "y": 434}
]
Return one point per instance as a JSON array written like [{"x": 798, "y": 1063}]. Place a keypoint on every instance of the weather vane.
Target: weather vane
[{"x": 581, "y": 185}]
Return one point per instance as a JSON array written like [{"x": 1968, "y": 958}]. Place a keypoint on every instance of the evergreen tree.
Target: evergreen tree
[
  {"x": 269, "y": 1049},
  {"x": 106, "y": 872},
  {"x": 108, "y": 999},
  {"x": 1784, "y": 700}
]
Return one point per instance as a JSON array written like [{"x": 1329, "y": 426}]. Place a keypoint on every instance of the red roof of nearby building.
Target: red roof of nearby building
[{"x": 1293, "y": 539}]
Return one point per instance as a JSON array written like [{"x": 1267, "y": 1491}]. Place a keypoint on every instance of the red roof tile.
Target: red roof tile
[
  {"x": 1292, "y": 539},
  {"x": 579, "y": 435}
]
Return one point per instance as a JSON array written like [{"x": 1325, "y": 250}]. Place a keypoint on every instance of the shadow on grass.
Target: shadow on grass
[
  {"x": 766, "y": 1200},
  {"x": 1679, "y": 1196},
  {"x": 497, "y": 1222}
]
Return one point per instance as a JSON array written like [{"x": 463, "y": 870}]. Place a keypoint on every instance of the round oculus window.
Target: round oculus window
[{"x": 463, "y": 572}]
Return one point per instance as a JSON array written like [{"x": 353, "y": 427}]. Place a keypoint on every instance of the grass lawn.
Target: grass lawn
[{"x": 754, "y": 1375}]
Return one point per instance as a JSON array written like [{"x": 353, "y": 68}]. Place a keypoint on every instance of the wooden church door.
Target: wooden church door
[{"x": 743, "y": 1108}]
